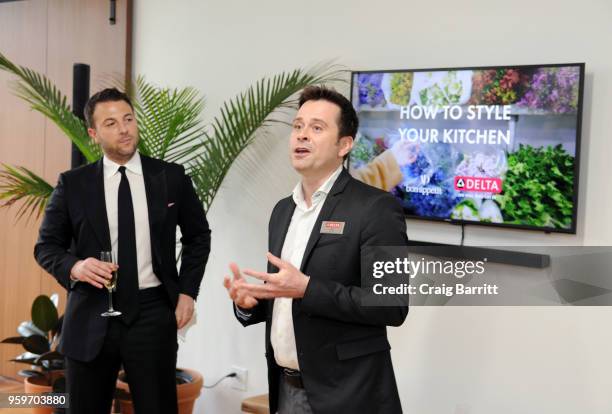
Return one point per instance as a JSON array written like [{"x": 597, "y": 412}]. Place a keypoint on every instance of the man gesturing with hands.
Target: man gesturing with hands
[
  {"x": 326, "y": 352},
  {"x": 288, "y": 282}
]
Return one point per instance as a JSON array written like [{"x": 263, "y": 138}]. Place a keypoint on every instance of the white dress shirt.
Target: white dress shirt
[
  {"x": 282, "y": 334},
  {"x": 112, "y": 178}
]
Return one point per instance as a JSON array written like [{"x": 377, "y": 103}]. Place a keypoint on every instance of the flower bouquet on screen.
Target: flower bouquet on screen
[{"x": 554, "y": 90}]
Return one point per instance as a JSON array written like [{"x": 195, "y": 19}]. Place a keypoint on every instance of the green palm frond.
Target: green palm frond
[
  {"x": 44, "y": 97},
  {"x": 19, "y": 183},
  {"x": 169, "y": 121},
  {"x": 234, "y": 129},
  {"x": 170, "y": 127}
]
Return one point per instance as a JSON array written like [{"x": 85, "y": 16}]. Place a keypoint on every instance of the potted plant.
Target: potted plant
[
  {"x": 39, "y": 338},
  {"x": 188, "y": 387}
]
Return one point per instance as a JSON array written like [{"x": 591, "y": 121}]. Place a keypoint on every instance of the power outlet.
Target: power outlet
[{"x": 239, "y": 382}]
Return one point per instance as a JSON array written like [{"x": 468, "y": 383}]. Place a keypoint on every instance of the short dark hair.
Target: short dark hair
[
  {"x": 105, "y": 95},
  {"x": 348, "y": 122}
]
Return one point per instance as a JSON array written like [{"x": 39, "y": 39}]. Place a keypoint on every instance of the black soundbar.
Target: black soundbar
[{"x": 511, "y": 257}]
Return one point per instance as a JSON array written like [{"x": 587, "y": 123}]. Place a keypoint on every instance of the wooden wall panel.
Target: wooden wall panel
[
  {"x": 48, "y": 36},
  {"x": 22, "y": 142}
]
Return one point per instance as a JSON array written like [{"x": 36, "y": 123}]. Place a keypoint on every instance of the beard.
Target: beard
[{"x": 121, "y": 152}]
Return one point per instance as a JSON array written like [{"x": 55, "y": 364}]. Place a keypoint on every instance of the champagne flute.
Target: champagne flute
[{"x": 111, "y": 285}]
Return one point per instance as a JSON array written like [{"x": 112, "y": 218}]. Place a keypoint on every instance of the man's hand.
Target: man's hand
[
  {"x": 93, "y": 271},
  {"x": 184, "y": 310},
  {"x": 236, "y": 289},
  {"x": 289, "y": 282}
]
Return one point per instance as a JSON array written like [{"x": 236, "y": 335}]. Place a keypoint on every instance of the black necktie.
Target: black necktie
[{"x": 127, "y": 281}]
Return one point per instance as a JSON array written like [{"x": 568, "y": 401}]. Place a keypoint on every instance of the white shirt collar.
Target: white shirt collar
[
  {"x": 111, "y": 167},
  {"x": 298, "y": 193}
]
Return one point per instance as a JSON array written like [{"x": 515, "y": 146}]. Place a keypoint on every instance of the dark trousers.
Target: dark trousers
[
  {"x": 292, "y": 400},
  {"x": 147, "y": 350}
]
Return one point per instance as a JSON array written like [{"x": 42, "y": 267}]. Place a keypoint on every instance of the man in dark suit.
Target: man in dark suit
[
  {"x": 129, "y": 204},
  {"x": 327, "y": 352}
]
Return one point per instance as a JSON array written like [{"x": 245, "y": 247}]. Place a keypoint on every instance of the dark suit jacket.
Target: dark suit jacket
[
  {"x": 76, "y": 213},
  {"x": 343, "y": 351}
]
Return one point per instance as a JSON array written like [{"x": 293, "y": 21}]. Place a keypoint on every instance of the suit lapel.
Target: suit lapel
[
  {"x": 331, "y": 201},
  {"x": 280, "y": 227},
  {"x": 278, "y": 232},
  {"x": 93, "y": 189},
  {"x": 156, "y": 190}
]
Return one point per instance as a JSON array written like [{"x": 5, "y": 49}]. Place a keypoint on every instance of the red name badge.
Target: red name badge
[{"x": 332, "y": 227}]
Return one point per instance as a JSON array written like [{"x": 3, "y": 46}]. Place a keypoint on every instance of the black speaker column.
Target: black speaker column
[{"x": 80, "y": 94}]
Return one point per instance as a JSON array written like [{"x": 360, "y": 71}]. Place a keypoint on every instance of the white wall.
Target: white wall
[{"x": 447, "y": 360}]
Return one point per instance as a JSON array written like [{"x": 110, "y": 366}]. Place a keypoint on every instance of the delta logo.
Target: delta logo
[{"x": 478, "y": 184}]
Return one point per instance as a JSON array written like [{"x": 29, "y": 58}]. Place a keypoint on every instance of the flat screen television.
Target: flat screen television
[{"x": 495, "y": 145}]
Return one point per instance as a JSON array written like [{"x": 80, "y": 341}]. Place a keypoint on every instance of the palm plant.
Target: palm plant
[{"x": 170, "y": 127}]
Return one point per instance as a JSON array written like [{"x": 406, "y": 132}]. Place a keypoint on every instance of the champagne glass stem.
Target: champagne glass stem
[{"x": 110, "y": 301}]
